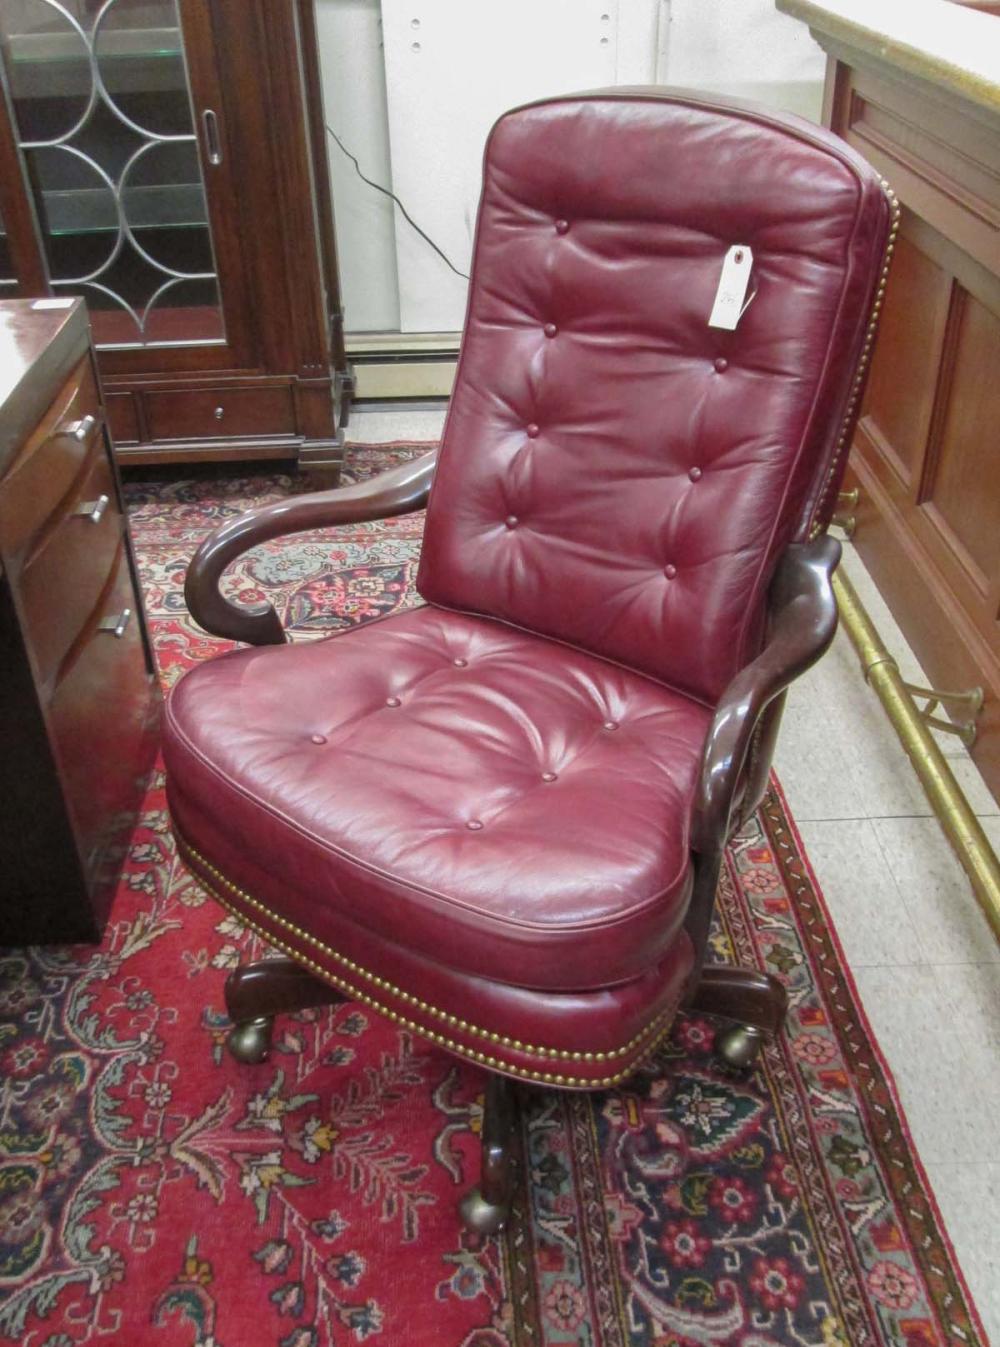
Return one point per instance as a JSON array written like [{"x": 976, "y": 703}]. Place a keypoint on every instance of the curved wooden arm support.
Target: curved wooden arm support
[
  {"x": 399, "y": 491},
  {"x": 803, "y": 621}
]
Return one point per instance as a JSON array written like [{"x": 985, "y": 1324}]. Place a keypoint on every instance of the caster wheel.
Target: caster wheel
[
  {"x": 250, "y": 1042},
  {"x": 485, "y": 1218},
  {"x": 739, "y": 1046}
]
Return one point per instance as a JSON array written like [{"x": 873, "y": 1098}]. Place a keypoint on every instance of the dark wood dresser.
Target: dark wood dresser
[{"x": 79, "y": 702}]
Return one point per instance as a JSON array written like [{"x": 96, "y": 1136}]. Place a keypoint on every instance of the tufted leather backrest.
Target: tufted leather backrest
[{"x": 615, "y": 473}]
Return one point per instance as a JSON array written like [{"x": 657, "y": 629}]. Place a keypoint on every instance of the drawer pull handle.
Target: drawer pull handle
[
  {"x": 219, "y": 413},
  {"x": 93, "y": 509},
  {"x": 213, "y": 147},
  {"x": 83, "y": 429},
  {"x": 117, "y": 622}
]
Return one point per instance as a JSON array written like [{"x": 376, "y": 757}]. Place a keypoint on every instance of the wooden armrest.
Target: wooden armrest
[
  {"x": 803, "y": 621},
  {"x": 399, "y": 491}
]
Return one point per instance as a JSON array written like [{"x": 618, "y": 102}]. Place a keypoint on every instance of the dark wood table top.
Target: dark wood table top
[{"x": 39, "y": 345}]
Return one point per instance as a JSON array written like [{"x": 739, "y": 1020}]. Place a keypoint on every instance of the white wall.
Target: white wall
[
  {"x": 743, "y": 48},
  {"x": 413, "y": 86},
  {"x": 350, "y": 50},
  {"x": 452, "y": 66}
]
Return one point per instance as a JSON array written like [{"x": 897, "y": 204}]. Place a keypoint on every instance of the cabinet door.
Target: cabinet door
[
  {"x": 118, "y": 116},
  {"x": 8, "y": 277}
]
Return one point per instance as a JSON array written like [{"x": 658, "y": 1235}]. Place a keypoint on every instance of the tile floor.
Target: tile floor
[
  {"x": 923, "y": 957},
  {"x": 922, "y": 954}
]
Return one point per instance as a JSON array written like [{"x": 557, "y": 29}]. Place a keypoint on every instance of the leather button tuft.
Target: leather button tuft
[
  {"x": 318, "y": 738},
  {"x": 393, "y": 701},
  {"x": 474, "y": 825},
  {"x": 610, "y": 725},
  {"x": 562, "y": 226},
  {"x": 695, "y": 474},
  {"x": 460, "y": 663},
  {"x": 511, "y": 521},
  {"x": 548, "y": 776},
  {"x": 550, "y": 329},
  {"x": 722, "y": 364},
  {"x": 532, "y": 430},
  {"x": 670, "y": 571}
]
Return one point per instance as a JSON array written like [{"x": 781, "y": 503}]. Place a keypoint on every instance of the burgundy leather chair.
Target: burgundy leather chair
[{"x": 499, "y": 818}]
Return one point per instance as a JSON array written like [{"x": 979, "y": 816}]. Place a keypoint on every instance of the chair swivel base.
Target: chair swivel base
[
  {"x": 256, "y": 992},
  {"x": 250, "y": 1040},
  {"x": 739, "y": 1046},
  {"x": 480, "y": 1216},
  {"x": 755, "y": 1003},
  {"x": 485, "y": 1209}
]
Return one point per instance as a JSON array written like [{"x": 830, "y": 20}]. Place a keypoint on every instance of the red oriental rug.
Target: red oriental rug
[{"x": 153, "y": 1191}]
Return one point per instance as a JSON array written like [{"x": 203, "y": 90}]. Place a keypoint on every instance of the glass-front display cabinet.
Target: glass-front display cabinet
[
  {"x": 8, "y": 281},
  {"x": 162, "y": 159}
]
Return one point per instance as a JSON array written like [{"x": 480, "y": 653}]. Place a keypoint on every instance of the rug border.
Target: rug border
[{"x": 903, "y": 1200}]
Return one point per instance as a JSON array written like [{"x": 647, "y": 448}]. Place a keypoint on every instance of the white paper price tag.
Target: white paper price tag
[{"x": 728, "y": 307}]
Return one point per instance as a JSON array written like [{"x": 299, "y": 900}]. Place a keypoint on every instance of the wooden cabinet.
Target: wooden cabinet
[
  {"x": 915, "y": 95},
  {"x": 166, "y": 161},
  {"x": 79, "y": 704}
]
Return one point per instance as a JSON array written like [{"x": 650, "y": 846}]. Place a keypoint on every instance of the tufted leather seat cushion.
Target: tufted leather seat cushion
[{"x": 500, "y": 803}]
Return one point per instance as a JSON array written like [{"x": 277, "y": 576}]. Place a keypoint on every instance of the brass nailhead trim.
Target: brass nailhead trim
[
  {"x": 642, "y": 1043},
  {"x": 481, "y": 1058},
  {"x": 867, "y": 348}
]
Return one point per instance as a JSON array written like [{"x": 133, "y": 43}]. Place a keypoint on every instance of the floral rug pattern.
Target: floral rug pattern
[{"x": 152, "y": 1190}]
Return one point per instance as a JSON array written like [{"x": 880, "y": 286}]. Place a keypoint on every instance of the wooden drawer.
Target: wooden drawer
[
  {"x": 210, "y": 413},
  {"x": 62, "y": 581},
  {"x": 100, "y": 728},
  {"x": 123, "y": 418},
  {"x": 49, "y": 462}
]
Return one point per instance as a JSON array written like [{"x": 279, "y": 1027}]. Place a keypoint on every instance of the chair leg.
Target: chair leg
[
  {"x": 756, "y": 1001},
  {"x": 486, "y": 1208},
  {"x": 256, "y": 992}
]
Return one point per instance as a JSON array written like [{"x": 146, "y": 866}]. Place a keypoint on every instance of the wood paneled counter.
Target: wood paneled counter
[{"x": 916, "y": 89}]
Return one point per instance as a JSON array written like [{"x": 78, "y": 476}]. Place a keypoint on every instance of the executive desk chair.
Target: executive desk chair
[{"x": 499, "y": 818}]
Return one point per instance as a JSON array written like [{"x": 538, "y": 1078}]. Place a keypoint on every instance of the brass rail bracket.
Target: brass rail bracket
[
  {"x": 843, "y": 517},
  {"x": 964, "y": 725}
]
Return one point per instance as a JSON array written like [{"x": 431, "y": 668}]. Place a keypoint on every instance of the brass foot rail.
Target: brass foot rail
[{"x": 951, "y": 808}]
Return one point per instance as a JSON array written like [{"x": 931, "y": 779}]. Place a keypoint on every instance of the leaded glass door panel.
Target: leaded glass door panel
[{"x": 123, "y": 144}]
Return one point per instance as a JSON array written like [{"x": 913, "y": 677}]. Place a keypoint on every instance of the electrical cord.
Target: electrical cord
[{"x": 393, "y": 197}]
